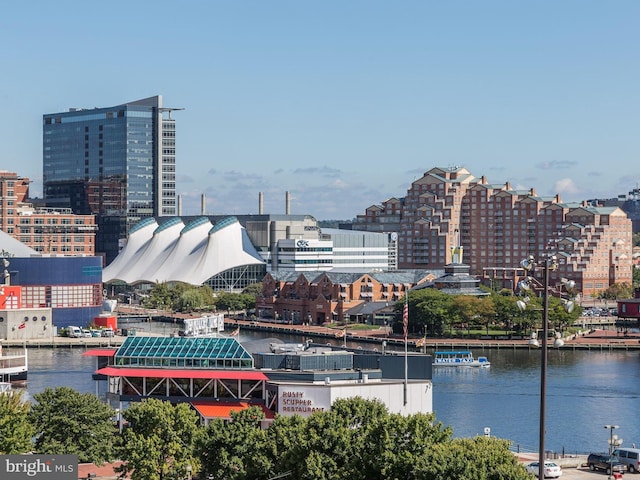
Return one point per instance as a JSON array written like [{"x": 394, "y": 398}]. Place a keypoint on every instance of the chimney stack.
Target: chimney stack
[
  {"x": 287, "y": 203},
  {"x": 260, "y": 203},
  {"x": 179, "y": 209},
  {"x": 203, "y": 204}
]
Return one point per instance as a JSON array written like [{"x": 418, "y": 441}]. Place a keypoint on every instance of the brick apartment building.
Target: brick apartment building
[
  {"x": 46, "y": 230},
  {"x": 318, "y": 297},
  {"x": 498, "y": 227}
]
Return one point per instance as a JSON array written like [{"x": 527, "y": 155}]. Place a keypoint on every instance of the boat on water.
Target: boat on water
[
  {"x": 459, "y": 358},
  {"x": 13, "y": 366}
]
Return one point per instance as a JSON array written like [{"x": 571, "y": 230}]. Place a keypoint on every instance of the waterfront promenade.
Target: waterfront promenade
[{"x": 603, "y": 337}]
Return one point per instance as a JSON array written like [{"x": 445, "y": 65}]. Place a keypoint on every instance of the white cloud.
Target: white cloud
[{"x": 566, "y": 186}]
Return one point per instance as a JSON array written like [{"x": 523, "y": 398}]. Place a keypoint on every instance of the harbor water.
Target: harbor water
[{"x": 585, "y": 391}]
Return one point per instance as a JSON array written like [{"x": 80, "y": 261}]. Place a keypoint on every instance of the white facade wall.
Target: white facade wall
[
  {"x": 303, "y": 398},
  {"x": 303, "y": 255},
  {"x": 38, "y": 324}
]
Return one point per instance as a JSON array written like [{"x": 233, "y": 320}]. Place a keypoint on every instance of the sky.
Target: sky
[{"x": 341, "y": 103}]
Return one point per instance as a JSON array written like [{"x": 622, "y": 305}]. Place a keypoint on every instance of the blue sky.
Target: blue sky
[{"x": 341, "y": 103}]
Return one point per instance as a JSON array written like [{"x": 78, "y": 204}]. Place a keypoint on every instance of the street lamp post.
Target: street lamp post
[
  {"x": 614, "y": 442},
  {"x": 550, "y": 264}
]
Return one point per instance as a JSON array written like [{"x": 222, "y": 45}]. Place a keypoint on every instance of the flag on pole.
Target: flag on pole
[
  {"x": 405, "y": 317},
  {"x": 422, "y": 342},
  {"x": 235, "y": 333},
  {"x": 341, "y": 333},
  {"x": 22, "y": 325}
]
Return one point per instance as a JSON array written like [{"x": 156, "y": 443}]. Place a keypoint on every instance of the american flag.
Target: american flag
[{"x": 405, "y": 318}]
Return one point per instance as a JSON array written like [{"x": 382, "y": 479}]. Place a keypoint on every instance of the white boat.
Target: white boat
[
  {"x": 13, "y": 367},
  {"x": 459, "y": 358}
]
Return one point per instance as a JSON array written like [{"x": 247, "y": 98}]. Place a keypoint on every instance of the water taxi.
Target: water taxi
[{"x": 459, "y": 358}]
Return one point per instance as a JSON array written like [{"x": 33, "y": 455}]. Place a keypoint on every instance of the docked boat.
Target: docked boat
[
  {"x": 459, "y": 358},
  {"x": 13, "y": 367}
]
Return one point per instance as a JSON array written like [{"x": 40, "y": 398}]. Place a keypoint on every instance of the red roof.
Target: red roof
[
  {"x": 100, "y": 352},
  {"x": 182, "y": 373},
  {"x": 224, "y": 409}
]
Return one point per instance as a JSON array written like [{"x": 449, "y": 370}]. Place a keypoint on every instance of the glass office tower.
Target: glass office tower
[{"x": 118, "y": 163}]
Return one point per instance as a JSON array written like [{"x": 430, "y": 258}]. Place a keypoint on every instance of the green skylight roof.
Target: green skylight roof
[
  {"x": 141, "y": 224},
  {"x": 195, "y": 223},
  {"x": 168, "y": 224},
  {"x": 223, "y": 223},
  {"x": 192, "y": 352}
]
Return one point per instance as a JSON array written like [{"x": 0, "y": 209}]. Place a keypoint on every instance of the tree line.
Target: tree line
[
  {"x": 357, "y": 440},
  {"x": 434, "y": 313},
  {"x": 181, "y": 297}
]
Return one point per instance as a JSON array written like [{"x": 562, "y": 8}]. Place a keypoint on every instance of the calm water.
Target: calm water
[{"x": 585, "y": 391}]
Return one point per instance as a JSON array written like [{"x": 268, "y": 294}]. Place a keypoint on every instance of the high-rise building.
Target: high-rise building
[
  {"x": 499, "y": 226},
  {"x": 118, "y": 163}
]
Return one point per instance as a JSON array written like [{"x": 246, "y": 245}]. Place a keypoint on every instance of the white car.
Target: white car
[{"x": 551, "y": 469}]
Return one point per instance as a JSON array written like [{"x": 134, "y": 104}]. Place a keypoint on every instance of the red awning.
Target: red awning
[
  {"x": 182, "y": 373},
  {"x": 100, "y": 352},
  {"x": 224, "y": 409}
]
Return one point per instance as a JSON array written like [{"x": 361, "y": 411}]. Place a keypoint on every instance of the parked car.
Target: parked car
[
  {"x": 603, "y": 461},
  {"x": 551, "y": 469},
  {"x": 86, "y": 333},
  {"x": 629, "y": 457},
  {"x": 107, "y": 332}
]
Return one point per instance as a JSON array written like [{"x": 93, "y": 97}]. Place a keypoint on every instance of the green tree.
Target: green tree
[
  {"x": 506, "y": 309},
  {"x": 159, "y": 442},
  {"x": 254, "y": 289},
  {"x": 16, "y": 432},
  {"x": 429, "y": 310},
  {"x": 618, "y": 291},
  {"x": 69, "y": 422},
  {"x": 236, "y": 450},
  {"x": 636, "y": 277},
  {"x": 357, "y": 440},
  {"x": 559, "y": 317},
  {"x": 472, "y": 310},
  {"x": 230, "y": 302},
  {"x": 398, "y": 443},
  {"x": 477, "y": 458},
  {"x": 189, "y": 301},
  {"x": 160, "y": 296}
]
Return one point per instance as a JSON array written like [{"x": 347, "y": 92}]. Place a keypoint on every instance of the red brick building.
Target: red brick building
[
  {"x": 499, "y": 226},
  {"x": 318, "y": 297},
  {"x": 46, "y": 230}
]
